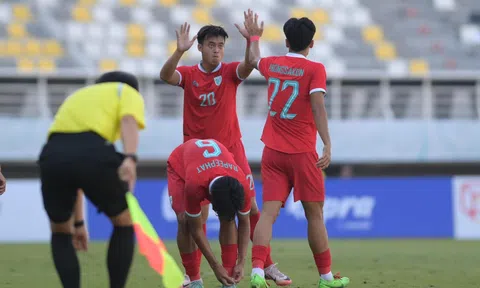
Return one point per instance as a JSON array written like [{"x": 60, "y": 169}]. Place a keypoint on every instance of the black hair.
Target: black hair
[
  {"x": 228, "y": 197},
  {"x": 119, "y": 76},
  {"x": 299, "y": 33},
  {"x": 211, "y": 31}
]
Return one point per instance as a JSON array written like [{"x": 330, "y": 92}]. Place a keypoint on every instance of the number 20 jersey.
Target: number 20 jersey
[
  {"x": 290, "y": 126},
  {"x": 210, "y": 103}
]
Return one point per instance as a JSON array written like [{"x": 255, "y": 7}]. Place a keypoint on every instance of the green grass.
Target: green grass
[{"x": 369, "y": 263}]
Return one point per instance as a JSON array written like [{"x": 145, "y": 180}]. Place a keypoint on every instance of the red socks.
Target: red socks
[
  {"x": 229, "y": 257},
  {"x": 323, "y": 262},
  {"x": 253, "y": 223},
  {"x": 190, "y": 262},
  {"x": 259, "y": 255}
]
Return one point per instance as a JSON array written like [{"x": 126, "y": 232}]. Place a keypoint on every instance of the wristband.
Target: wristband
[
  {"x": 132, "y": 156},
  {"x": 254, "y": 38},
  {"x": 79, "y": 224}
]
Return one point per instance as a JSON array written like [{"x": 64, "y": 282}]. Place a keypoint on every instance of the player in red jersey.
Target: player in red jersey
[
  {"x": 210, "y": 90},
  {"x": 200, "y": 170},
  {"x": 296, "y": 92}
]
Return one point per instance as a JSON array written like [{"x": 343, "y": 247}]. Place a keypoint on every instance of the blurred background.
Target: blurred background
[{"x": 403, "y": 102}]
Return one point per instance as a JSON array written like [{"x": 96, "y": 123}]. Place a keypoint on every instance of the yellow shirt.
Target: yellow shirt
[{"x": 99, "y": 108}]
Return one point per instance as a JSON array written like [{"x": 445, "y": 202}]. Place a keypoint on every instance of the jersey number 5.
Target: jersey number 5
[
  {"x": 209, "y": 143},
  {"x": 276, "y": 86}
]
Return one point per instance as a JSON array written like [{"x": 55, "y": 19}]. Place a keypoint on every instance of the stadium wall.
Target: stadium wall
[{"x": 414, "y": 207}]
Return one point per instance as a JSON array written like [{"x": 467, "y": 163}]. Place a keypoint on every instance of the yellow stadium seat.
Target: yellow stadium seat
[
  {"x": 298, "y": 13},
  {"x": 87, "y": 2},
  {"x": 172, "y": 46},
  {"x": 320, "y": 16},
  {"x": 273, "y": 33},
  {"x": 135, "y": 32},
  {"x": 3, "y": 48},
  {"x": 16, "y": 30},
  {"x": 14, "y": 48},
  {"x": 81, "y": 14},
  {"x": 46, "y": 65},
  {"x": 108, "y": 65},
  {"x": 201, "y": 16},
  {"x": 318, "y": 35},
  {"x": 21, "y": 12},
  {"x": 418, "y": 67},
  {"x": 136, "y": 49},
  {"x": 32, "y": 47},
  {"x": 372, "y": 34},
  {"x": 168, "y": 3},
  {"x": 385, "y": 51},
  {"x": 25, "y": 65},
  {"x": 52, "y": 48},
  {"x": 128, "y": 2},
  {"x": 208, "y": 3}
]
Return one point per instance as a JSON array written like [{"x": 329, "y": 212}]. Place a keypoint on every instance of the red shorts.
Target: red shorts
[
  {"x": 281, "y": 172},
  {"x": 240, "y": 158},
  {"x": 176, "y": 186}
]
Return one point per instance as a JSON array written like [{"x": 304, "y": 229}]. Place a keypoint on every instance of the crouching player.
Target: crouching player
[{"x": 201, "y": 170}]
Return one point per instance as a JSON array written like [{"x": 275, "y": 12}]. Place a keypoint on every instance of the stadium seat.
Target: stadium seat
[
  {"x": 135, "y": 32},
  {"x": 372, "y": 34},
  {"x": 320, "y": 16},
  {"x": 32, "y": 47},
  {"x": 136, "y": 49},
  {"x": 298, "y": 12},
  {"x": 201, "y": 16},
  {"x": 272, "y": 33},
  {"x": 81, "y": 14},
  {"x": 172, "y": 46},
  {"x": 102, "y": 14},
  {"x": 418, "y": 67},
  {"x": 107, "y": 65},
  {"x": 168, "y": 3},
  {"x": 21, "y": 12},
  {"x": 16, "y": 30},
  {"x": 14, "y": 48},
  {"x": 52, "y": 48},
  {"x": 206, "y": 3},
  {"x": 46, "y": 65},
  {"x": 87, "y": 2},
  {"x": 385, "y": 51},
  {"x": 25, "y": 65},
  {"x": 129, "y": 3}
]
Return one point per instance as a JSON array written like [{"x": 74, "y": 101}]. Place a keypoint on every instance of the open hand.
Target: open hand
[
  {"x": 183, "y": 38},
  {"x": 251, "y": 24}
]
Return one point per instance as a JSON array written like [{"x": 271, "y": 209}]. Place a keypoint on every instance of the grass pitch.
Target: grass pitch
[{"x": 368, "y": 263}]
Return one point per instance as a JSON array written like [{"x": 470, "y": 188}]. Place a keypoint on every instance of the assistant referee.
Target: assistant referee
[{"x": 80, "y": 155}]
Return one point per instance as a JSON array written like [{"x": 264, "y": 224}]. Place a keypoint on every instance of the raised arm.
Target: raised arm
[
  {"x": 255, "y": 31},
  {"x": 168, "y": 73},
  {"x": 245, "y": 68}
]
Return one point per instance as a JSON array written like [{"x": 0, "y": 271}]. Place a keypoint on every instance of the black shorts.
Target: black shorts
[{"x": 69, "y": 162}]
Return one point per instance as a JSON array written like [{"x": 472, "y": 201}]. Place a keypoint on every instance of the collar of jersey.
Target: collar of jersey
[
  {"x": 214, "y": 70},
  {"x": 296, "y": 55}
]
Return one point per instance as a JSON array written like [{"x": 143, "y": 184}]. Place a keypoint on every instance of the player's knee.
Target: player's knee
[
  {"x": 122, "y": 219},
  {"x": 313, "y": 210},
  {"x": 271, "y": 209},
  {"x": 205, "y": 211},
  {"x": 254, "y": 209},
  {"x": 182, "y": 222}
]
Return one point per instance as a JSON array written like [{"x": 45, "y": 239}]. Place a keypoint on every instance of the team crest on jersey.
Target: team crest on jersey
[{"x": 218, "y": 80}]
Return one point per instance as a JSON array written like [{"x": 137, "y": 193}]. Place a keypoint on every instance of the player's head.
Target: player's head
[
  {"x": 119, "y": 76},
  {"x": 211, "y": 43},
  {"x": 228, "y": 197},
  {"x": 299, "y": 33}
]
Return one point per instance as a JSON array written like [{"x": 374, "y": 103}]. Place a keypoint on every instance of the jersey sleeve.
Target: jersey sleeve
[
  {"x": 263, "y": 65},
  {"x": 131, "y": 103},
  {"x": 193, "y": 199},
  {"x": 182, "y": 71},
  {"x": 232, "y": 72},
  {"x": 318, "y": 82},
  {"x": 247, "y": 206}
]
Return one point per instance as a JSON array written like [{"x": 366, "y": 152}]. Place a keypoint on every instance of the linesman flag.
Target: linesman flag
[{"x": 152, "y": 247}]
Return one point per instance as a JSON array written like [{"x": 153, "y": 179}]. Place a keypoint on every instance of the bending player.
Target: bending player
[
  {"x": 210, "y": 90},
  {"x": 296, "y": 92},
  {"x": 201, "y": 170}
]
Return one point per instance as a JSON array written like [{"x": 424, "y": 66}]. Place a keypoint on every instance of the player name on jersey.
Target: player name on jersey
[
  {"x": 216, "y": 163},
  {"x": 285, "y": 70}
]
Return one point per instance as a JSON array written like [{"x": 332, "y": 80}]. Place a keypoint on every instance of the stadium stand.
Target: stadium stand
[{"x": 393, "y": 38}]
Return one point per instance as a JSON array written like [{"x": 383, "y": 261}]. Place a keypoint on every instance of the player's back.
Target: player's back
[{"x": 290, "y": 125}]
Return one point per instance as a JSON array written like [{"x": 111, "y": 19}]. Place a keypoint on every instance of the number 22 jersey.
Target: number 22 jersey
[
  {"x": 290, "y": 126},
  {"x": 210, "y": 102}
]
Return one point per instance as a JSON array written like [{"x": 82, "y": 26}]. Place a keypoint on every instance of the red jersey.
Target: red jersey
[
  {"x": 210, "y": 102},
  {"x": 198, "y": 163},
  {"x": 290, "y": 126}
]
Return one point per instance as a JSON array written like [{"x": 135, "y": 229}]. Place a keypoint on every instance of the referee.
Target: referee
[{"x": 80, "y": 156}]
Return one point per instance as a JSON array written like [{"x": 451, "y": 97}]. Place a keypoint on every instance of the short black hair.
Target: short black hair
[
  {"x": 119, "y": 76},
  {"x": 211, "y": 31},
  {"x": 228, "y": 197},
  {"x": 299, "y": 33}
]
